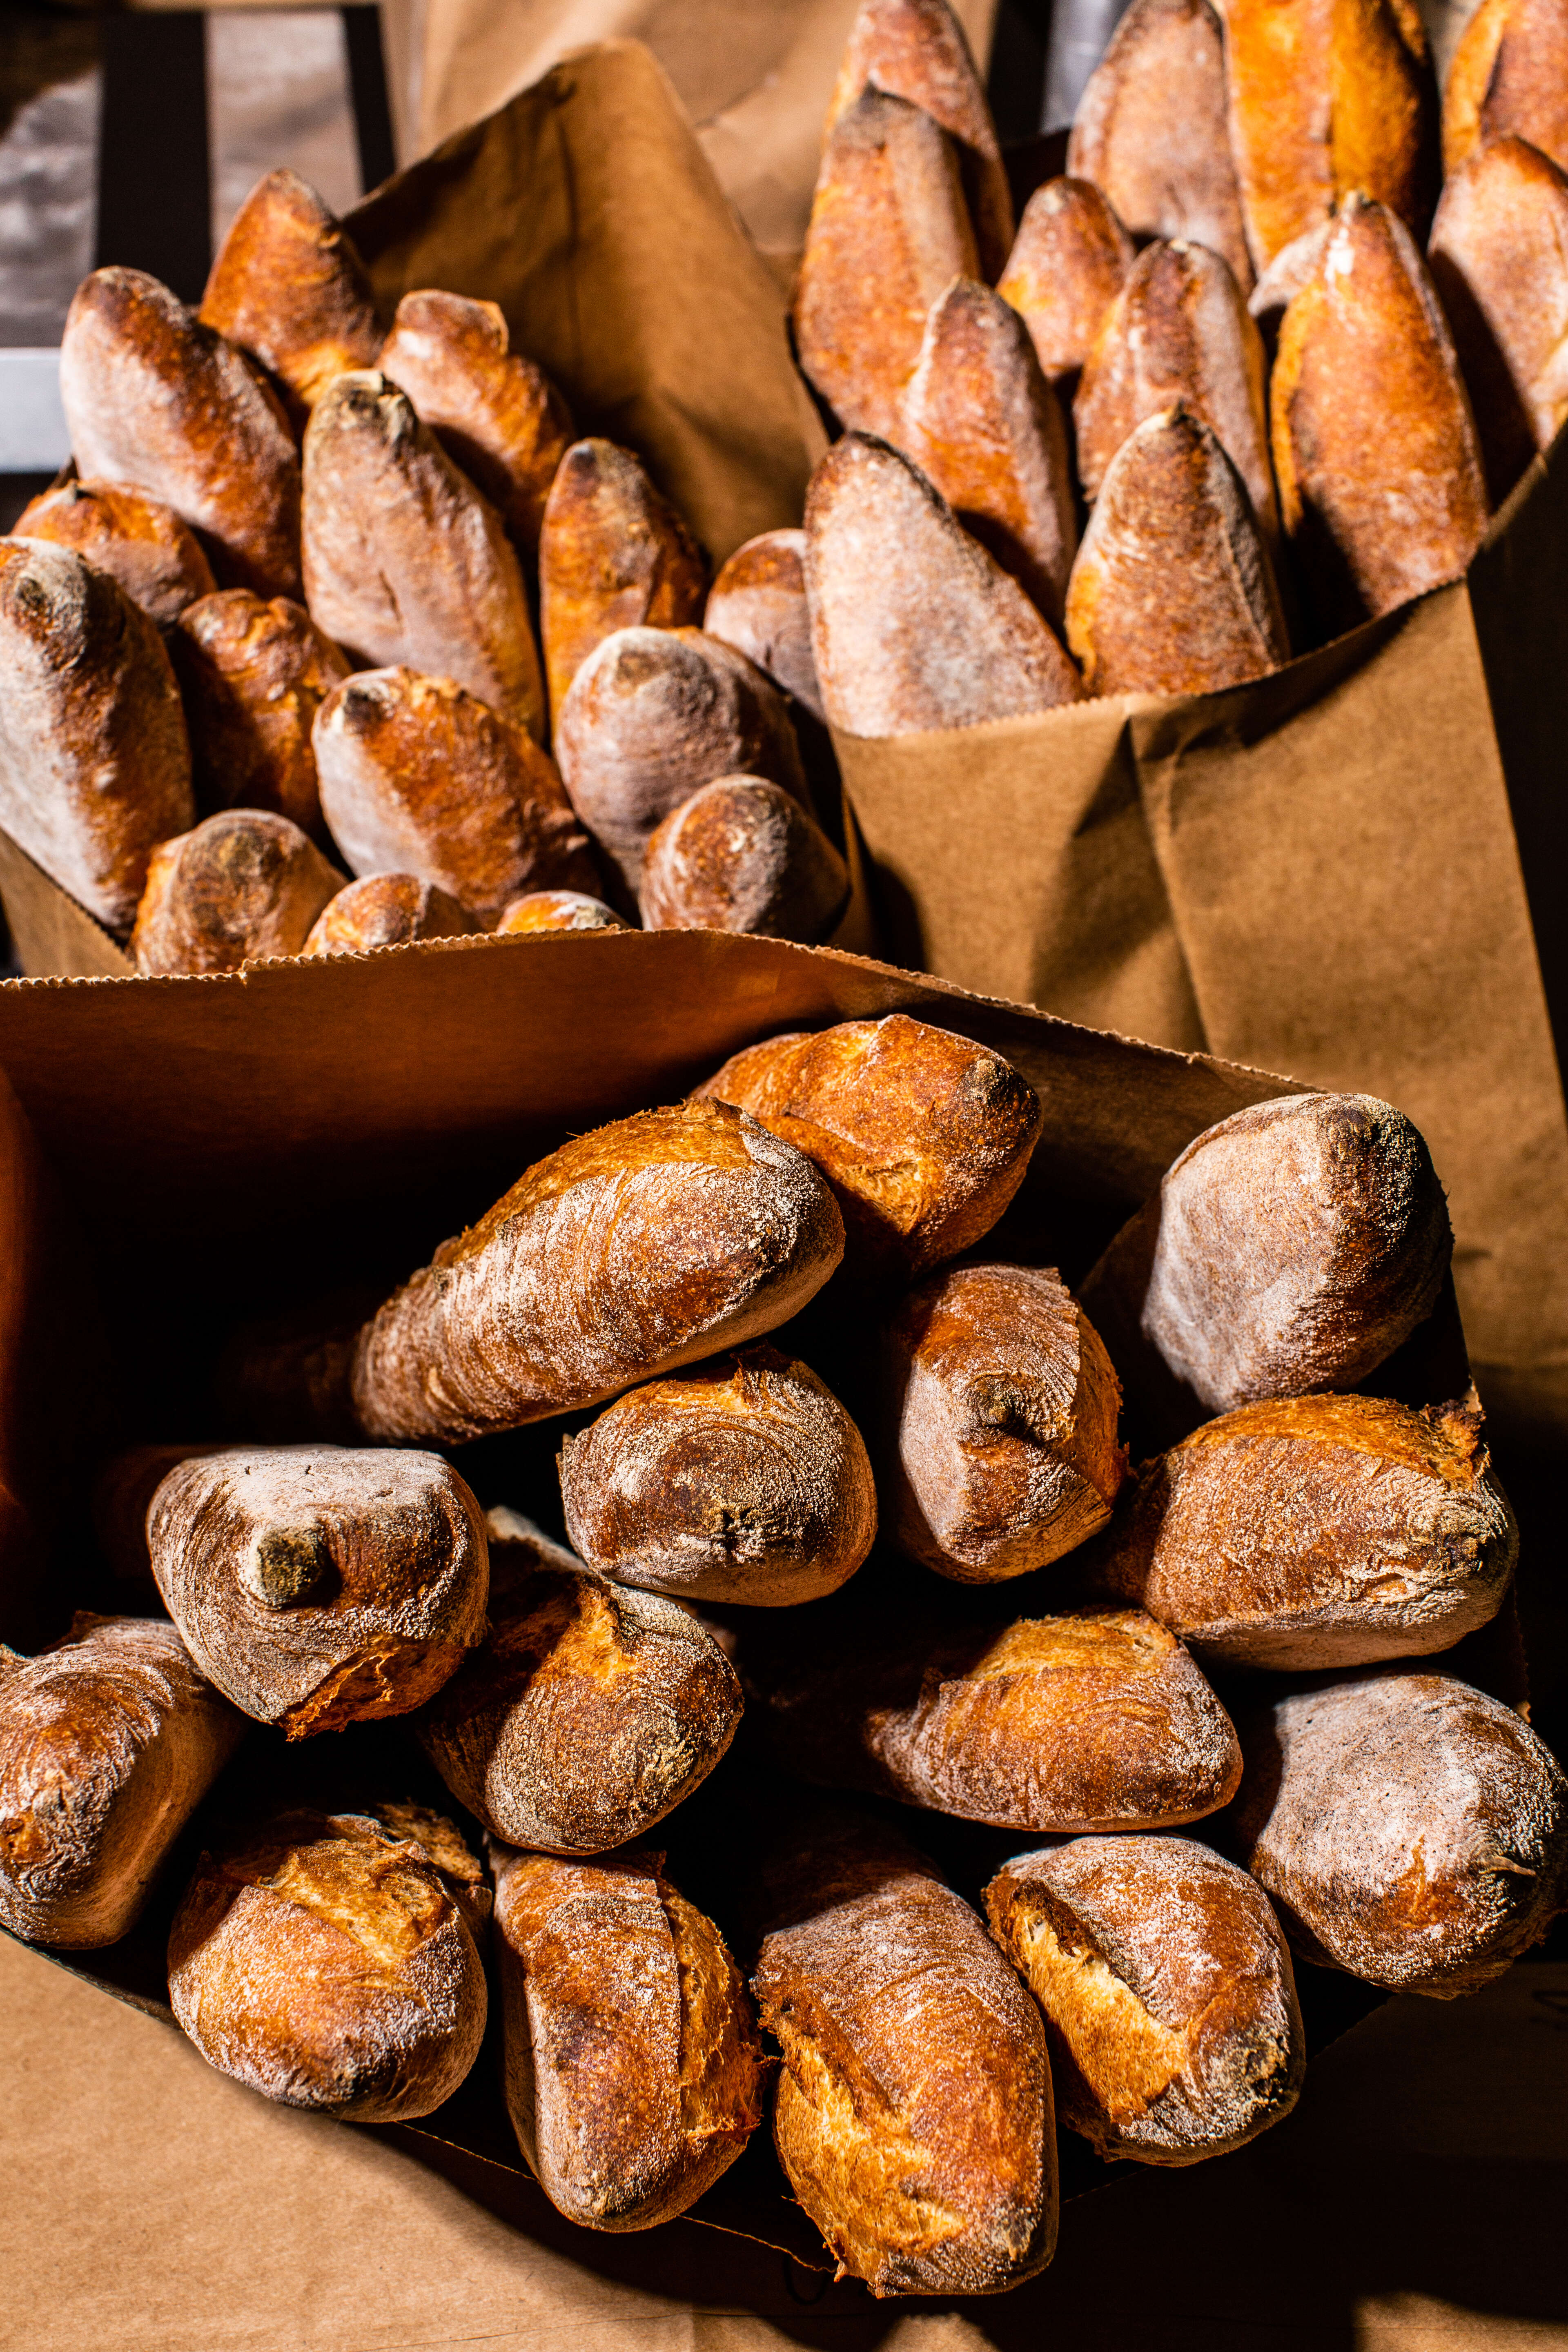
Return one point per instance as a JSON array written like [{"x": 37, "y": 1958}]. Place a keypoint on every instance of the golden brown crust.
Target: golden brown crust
[
  {"x": 240, "y": 887},
  {"x": 254, "y": 673},
  {"x": 154, "y": 398},
  {"x": 613, "y": 554},
  {"x": 633, "y": 2069},
  {"x": 914, "y": 2117},
  {"x": 913, "y": 625},
  {"x": 758, "y": 605},
  {"x": 1067, "y": 265},
  {"x": 743, "y": 1479},
  {"x": 1407, "y": 1828},
  {"x": 94, "y": 763},
  {"x": 1173, "y": 591},
  {"x": 1169, "y": 2001},
  {"x": 889, "y": 229},
  {"x": 419, "y": 776},
  {"x": 289, "y": 289},
  {"x": 383, "y": 910},
  {"x": 741, "y": 854},
  {"x": 107, "y": 1743},
  {"x": 318, "y": 1586},
  {"x": 923, "y": 1136},
  {"x": 494, "y": 412},
  {"x": 556, "y": 910},
  {"x": 1509, "y": 77},
  {"x": 405, "y": 561},
  {"x": 138, "y": 540},
  {"x": 1001, "y": 1408},
  {"x": 322, "y": 1961}
]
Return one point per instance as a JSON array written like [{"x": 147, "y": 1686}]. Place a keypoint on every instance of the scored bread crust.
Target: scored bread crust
[
  {"x": 243, "y": 885},
  {"x": 1068, "y": 262},
  {"x": 741, "y": 854},
  {"x": 253, "y": 673},
  {"x": 758, "y": 605},
  {"x": 1508, "y": 75},
  {"x": 383, "y": 912},
  {"x": 288, "y": 288},
  {"x": 138, "y": 540},
  {"x": 613, "y": 554}
]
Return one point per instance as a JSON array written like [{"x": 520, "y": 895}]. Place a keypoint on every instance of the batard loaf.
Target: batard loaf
[
  {"x": 1067, "y": 265},
  {"x": 289, "y": 289},
  {"x": 613, "y": 554},
  {"x": 758, "y": 605},
  {"x": 1509, "y": 78},
  {"x": 556, "y": 910},
  {"x": 254, "y": 672},
  {"x": 741, "y": 854},
  {"x": 242, "y": 885},
  {"x": 383, "y": 910},
  {"x": 138, "y": 540}
]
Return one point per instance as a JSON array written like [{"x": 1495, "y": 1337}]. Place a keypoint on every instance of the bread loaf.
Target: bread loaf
[
  {"x": 405, "y": 561},
  {"x": 890, "y": 229},
  {"x": 1295, "y": 1245},
  {"x": 324, "y": 1961},
  {"x": 913, "y": 625},
  {"x": 318, "y": 1586},
  {"x": 917, "y": 50},
  {"x": 613, "y": 554},
  {"x": 495, "y": 414},
  {"x": 1151, "y": 131},
  {"x": 418, "y": 776},
  {"x": 1374, "y": 518},
  {"x": 1499, "y": 260},
  {"x": 1509, "y": 78},
  {"x": 1173, "y": 591},
  {"x": 94, "y": 763},
  {"x": 741, "y": 854},
  {"x": 652, "y": 715},
  {"x": 758, "y": 605},
  {"x": 1001, "y": 1407},
  {"x": 590, "y": 1713},
  {"x": 1066, "y": 267},
  {"x": 913, "y": 2116},
  {"x": 243, "y": 886},
  {"x": 984, "y": 427},
  {"x": 136, "y": 539},
  {"x": 743, "y": 1479},
  {"x": 254, "y": 673},
  {"x": 556, "y": 910},
  {"x": 1407, "y": 1828},
  {"x": 1170, "y": 2006},
  {"x": 383, "y": 912},
  {"x": 923, "y": 1136},
  {"x": 155, "y": 399},
  {"x": 122, "y": 1487},
  {"x": 632, "y": 2065},
  {"x": 1318, "y": 1531},
  {"x": 109, "y": 1741},
  {"x": 289, "y": 289}
]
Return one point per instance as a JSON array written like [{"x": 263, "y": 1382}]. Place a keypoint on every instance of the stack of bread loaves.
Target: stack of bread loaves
[{"x": 1178, "y": 1726}]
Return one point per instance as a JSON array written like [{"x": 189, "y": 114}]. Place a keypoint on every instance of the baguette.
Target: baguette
[
  {"x": 240, "y": 887},
  {"x": 253, "y": 675},
  {"x": 1509, "y": 78},
  {"x": 1067, "y": 265},
  {"x": 383, "y": 910},
  {"x": 556, "y": 910},
  {"x": 138, "y": 540},
  {"x": 289, "y": 289},
  {"x": 613, "y": 554},
  {"x": 758, "y": 605},
  {"x": 741, "y": 854}
]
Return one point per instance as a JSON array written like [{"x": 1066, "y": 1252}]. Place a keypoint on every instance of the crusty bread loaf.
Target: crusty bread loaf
[
  {"x": 1169, "y": 2005},
  {"x": 324, "y": 1960},
  {"x": 1092, "y": 1719},
  {"x": 923, "y": 1136},
  {"x": 138, "y": 540},
  {"x": 242, "y": 885},
  {"x": 418, "y": 776},
  {"x": 741, "y": 854},
  {"x": 1000, "y": 1408},
  {"x": 253, "y": 674},
  {"x": 494, "y": 412},
  {"x": 556, "y": 910},
  {"x": 985, "y": 428},
  {"x": 154, "y": 398},
  {"x": 590, "y": 1713},
  {"x": 1173, "y": 591},
  {"x": 758, "y": 605},
  {"x": 1509, "y": 77},
  {"x": 1151, "y": 131},
  {"x": 1407, "y": 1828},
  {"x": 632, "y": 2065},
  {"x": 917, "y": 50},
  {"x": 613, "y": 554},
  {"x": 913, "y": 2116},
  {"x": 289, "y": 289},
  {"x": 383, "y": 910},
  {"x": 652, "y": 715},
  {"x": 1318, "y": 1531},
  {"x": 109, "y": 1741},
  {"x": 405, "y": 561},
  {"x": 94, "y": 763},
  {"x": 320, "y": 1585},
  {"x": 1499, "y": 261},
  {"x": 743, "y": 1479},
  {"x": 1374, "y": 518},
  {"x": 890, "y": 229},
  {"x": 1292, "y": 1246},
  {"x": 1067, "y": 265},
  {"x": 913, "y": 625}
]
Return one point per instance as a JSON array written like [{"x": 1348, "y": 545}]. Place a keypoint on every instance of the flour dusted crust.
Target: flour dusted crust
[
  {"x": 320, "y": 1585},
  {"x": 1067, "y": 265},
  {"x": 1509, "y": 77},
  {"x": 741, "y": 854},
  {"x": 1166, "y": 1986},
  {"x": 241, "y": 886},
  {"x": 556, "y": 910},
  {"x": 324, "y": 1961},
  {"x": 138, "y": 540},
  {"x": 1408, "y": 1829},
  {"x": 383, "y": 912},
  {"x": 107, "y": 1743},
  {"x": 289, "y": 289},
  {"x": 253, "y": 672},
  {"x": 758, "y": 605},
  {"x": 613, "y": 554},
  {"x": 633, "y": 2070}
]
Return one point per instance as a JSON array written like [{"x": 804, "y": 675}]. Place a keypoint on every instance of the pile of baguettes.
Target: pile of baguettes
[{"x": 1244, "y": 1634}]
